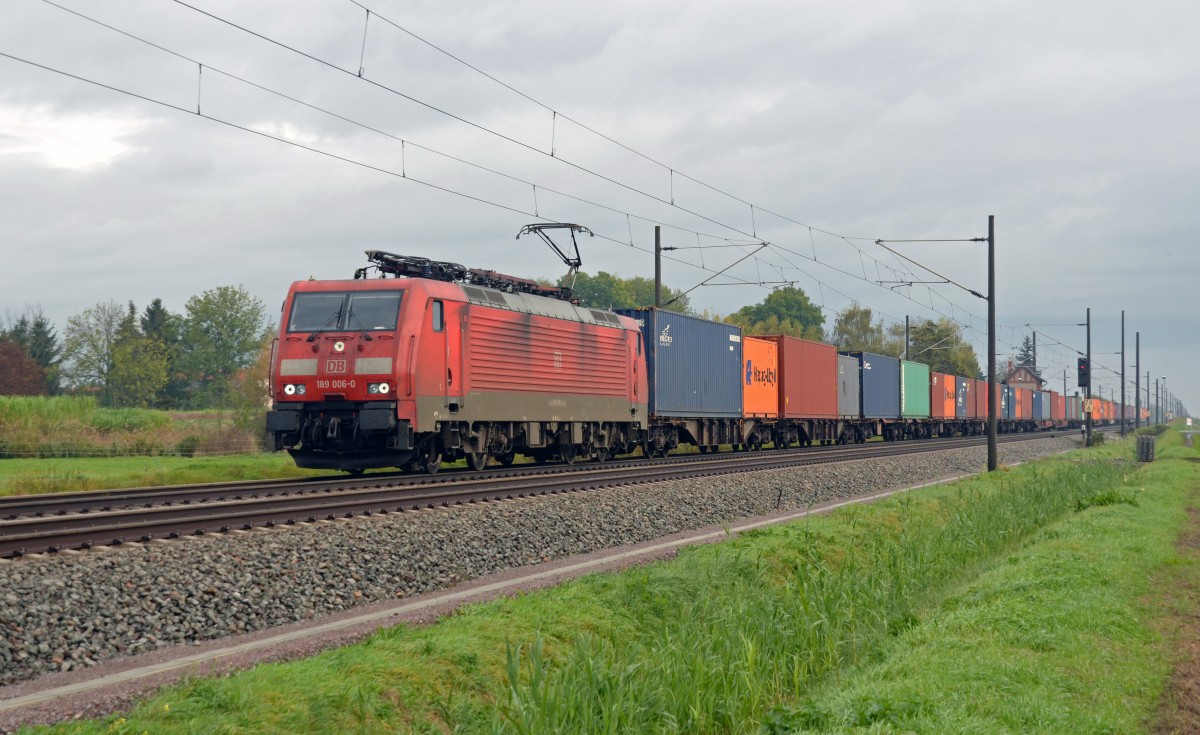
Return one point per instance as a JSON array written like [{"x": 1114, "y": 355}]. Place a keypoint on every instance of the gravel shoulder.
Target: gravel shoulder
[{"x": 72, "y": 617}]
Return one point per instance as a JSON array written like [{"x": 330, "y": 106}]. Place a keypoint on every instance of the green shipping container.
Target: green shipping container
[{"x": 914, "y": 390}]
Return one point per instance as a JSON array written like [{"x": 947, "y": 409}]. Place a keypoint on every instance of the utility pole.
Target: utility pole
[
  {"x": 1122, "y": 372},
  {"x": 657, "y": 266},
  {"x": 1034, "y": 351},
  {"x": 1150, "y": 420},
  {"x": 1137, "y": 380},
  {"x": 1157, "y": 404},
  {"x": 1087, "y": 389},
  {"x": 906, "y": 336},
  {"x": 993, "y": 448}
]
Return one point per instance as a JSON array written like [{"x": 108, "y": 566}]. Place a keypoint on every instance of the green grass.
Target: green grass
[
  {"x": 1060, "y": 637},
  {"x": 729, "y": 638},
  {"x": 23, "y": 476}
]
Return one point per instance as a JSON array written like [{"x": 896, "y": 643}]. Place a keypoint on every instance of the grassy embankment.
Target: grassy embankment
[
  {"x": 69, "y": 443},
  {"x": 1020, "y": 602}
]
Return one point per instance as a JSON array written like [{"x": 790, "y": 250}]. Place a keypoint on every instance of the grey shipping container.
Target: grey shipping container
[
  {"x": 848, "y": 390},
  {"x": 694, "y": 365},
  {"x": 1008, "y": 402},
  {"x": 962, "y": 401},
  {"x": 1042, "y": 403},
  {"x": 880, "y": 385}
]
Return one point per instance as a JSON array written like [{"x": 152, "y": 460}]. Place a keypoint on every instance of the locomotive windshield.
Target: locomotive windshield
[{"x": 357, "y": 311}]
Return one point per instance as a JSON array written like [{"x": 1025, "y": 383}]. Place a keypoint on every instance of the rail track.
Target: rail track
[{"x": 51, "y": 523}]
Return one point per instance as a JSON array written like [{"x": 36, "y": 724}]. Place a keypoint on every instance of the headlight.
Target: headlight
[
  {"x": 300, "y": 389},
  {"x": 289, "y": 389},
  {"x": 383, "y": 388},
  {"x": 377, "y": 388}
]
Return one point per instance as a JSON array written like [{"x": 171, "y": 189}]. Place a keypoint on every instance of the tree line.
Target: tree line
[{"x": 149, "y": 358}]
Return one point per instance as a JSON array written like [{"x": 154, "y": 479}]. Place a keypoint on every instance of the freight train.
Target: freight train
[{"x": 433, "y": 362}]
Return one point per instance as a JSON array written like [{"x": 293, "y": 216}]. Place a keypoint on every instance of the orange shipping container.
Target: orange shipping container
[
  {"x": 942, "y": 395},
  {"x": 1024, "y": 403},
  {"x": 760, "y": 390}
]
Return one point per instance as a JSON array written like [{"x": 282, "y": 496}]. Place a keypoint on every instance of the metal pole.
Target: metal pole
[
  {"x": 657, "y": 266},
  {"x": 1137, "y": 380},
  {"x": 1157, "y": 407},
  {"x": 1122, "y": 372},
  {"x": 993, "y": 448},
  {"x": 1087, "y": 389},
  {"x": 1034, "y": 365},
  {"x": 906, "y": 336}
]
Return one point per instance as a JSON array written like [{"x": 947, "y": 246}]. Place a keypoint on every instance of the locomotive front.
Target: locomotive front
[{"x": 336, "y": 374}]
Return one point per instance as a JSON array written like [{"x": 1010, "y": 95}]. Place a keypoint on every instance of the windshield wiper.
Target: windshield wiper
[
  {"x": 332, "y": 317},
  {"x": 354, "y": 318}
]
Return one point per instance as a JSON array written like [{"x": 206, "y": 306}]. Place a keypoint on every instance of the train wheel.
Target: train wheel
[
  {"x": 477, "y": 460},
  {"x": 567, "y": 453},
  {"x": 602, "y": 454},
  {"x": 428, "y": 462},
  {"x": 506, "y": 458}
]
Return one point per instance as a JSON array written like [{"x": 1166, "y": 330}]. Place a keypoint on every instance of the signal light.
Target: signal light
[{"x": 1084, "y": 374}]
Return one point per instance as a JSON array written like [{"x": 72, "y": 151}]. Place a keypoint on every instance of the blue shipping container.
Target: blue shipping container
[
  {"x": 1039, "y": 398},
  {"x": 962, "y": 398},
  {"x": 695, "y": 365},
  {"x": 1007, "y": 401},
  {"x": 879, "y": 383}
]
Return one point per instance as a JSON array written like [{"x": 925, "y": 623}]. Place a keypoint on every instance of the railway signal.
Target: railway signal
[{"x": 1084, "y": 373}]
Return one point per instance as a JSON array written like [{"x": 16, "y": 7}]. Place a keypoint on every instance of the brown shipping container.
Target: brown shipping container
[
  {"x": 942, "y": 390},
  {"x": 760, "y": 387},
  {"x": 1024, "y": 403},
  {"x": 979, "y": 399},
  {"x": 810, "y": 374}
]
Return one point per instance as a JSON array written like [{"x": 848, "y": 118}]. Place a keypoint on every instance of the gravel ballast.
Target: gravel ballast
[{"x": 70, "y": 611}]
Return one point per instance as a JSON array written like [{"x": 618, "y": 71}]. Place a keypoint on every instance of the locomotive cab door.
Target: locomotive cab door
[{"x": 437, "y": 353}]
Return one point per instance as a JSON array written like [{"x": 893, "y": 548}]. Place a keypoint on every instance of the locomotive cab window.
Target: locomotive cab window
[
  {"x": 358, "y": 311},
  {"x": 373, "y": 311},
  {"x": 438, "y": 316},
  {"x": 316, "y": 311}
]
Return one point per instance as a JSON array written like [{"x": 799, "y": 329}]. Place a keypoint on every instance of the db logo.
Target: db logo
[{"x": 335, "y": 366}]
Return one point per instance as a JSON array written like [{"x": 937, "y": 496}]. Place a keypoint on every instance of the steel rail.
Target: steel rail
[
  {"x": 46, "y": 504},
  {"x": 25, "y": 535}
]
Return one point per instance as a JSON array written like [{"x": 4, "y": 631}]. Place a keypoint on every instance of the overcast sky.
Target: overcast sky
[{"x": 1075, "y": 123}]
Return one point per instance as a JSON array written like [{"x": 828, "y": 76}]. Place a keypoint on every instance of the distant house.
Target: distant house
[{"x": 1024, "y": 376}]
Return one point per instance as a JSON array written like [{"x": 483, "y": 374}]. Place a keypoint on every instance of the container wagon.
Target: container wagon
[
  {"x": 695, "y": 368},
  {"x": 809, "y": 391}
]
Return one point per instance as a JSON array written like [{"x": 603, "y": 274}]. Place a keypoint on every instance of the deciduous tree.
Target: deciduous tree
[
  {"x": 608, "y": 291},
  {"x": 222, "y": 333},
  {"x": 88, "y": 343},
  {"x": 939, "y": 344},
  {"x": 786, "y": 305},
  {"x": 854, "y": 329},
  {"x": 20, "y": 375}
]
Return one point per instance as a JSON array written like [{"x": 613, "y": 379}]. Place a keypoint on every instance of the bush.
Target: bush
[{"x": 187, "y": 446}]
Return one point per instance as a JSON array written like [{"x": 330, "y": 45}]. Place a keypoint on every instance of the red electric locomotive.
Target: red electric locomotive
[{"x": 439, "y": 362}]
